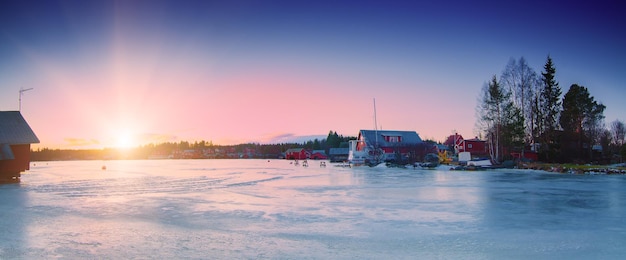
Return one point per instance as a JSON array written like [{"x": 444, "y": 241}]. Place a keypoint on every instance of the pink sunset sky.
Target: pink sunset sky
[{"x": 128, "y": 73}]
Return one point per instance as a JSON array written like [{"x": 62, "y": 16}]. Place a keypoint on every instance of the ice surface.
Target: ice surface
[{"x": 201, "y": 209}]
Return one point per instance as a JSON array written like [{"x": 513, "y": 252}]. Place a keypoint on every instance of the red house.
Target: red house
[
  {"x": 475, "y": 146},
  {"x": 15, "y": 139},
  {"x": 454, "y": 140},
  {"x": 297, "y": 154}
]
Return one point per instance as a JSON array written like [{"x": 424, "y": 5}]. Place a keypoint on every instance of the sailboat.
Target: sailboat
[
  {"x": 368, "y": 155},
  {"x": 362, "y": 153}
]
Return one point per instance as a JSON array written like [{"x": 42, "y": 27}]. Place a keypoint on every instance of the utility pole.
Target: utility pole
[{"x": 22, "y": 90}]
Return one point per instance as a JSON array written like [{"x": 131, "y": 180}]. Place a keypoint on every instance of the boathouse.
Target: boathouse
[
  {"x": 392, "y": 142},
  {"x": 16, "y": 136}
]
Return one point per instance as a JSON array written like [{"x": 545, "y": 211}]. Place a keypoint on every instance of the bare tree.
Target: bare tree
[
  {"x": 523, "y": 84},
  {"x": 619, "y": 132},
  {"x": 594, "y": 125},
  {"x": 500, "y": 120},
  {"x": 490, "y": 113},
  {"x": 606, "y": 138}
]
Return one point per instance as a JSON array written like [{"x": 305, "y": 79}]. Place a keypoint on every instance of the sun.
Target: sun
[{"x": 124, "y": 139}]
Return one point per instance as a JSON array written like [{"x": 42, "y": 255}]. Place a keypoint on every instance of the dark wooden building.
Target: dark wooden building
[
  {"x": 16, "y": 136},
  {"x": 338, "y": 154}
]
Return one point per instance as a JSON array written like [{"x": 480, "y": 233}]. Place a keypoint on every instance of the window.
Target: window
[
  {"x": 469, "y": 146},
  {"x": 393, "y": 139}
]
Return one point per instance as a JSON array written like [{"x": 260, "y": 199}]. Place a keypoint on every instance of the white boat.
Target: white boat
[
  {"x": 368, "y": 155},
  {"x": 466, "y": 158},
  {"x": 479, "y": 163}
]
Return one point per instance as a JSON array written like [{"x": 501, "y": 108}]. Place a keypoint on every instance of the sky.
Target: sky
[{"x": 127, "y": 73}]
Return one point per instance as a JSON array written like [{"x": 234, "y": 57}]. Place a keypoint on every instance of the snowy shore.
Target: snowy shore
[{"x": 576, "y": 169}]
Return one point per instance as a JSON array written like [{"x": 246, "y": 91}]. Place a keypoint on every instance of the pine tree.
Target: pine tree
[
  {"x": 513, "y": 130},
  {"x": 333, "y": 140},
  {"x": 549, "y": 109},
  {"x": 581, "y": 119}
]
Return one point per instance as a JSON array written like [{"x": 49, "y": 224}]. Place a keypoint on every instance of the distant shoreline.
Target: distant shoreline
[{"x": 575, "y": 168}]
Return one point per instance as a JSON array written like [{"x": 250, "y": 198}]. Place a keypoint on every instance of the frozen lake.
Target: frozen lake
[{"x": 230, "y": 209}]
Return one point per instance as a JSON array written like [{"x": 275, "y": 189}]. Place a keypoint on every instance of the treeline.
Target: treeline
[
  {"x": 523, "y": 111},
  {"x": 185, "y": 149}
]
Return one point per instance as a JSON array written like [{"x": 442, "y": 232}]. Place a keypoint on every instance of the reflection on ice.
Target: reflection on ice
[{"x": 261, "y": 209}]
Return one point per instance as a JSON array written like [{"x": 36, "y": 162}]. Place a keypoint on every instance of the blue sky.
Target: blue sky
[{"x": 239, "y": 71}]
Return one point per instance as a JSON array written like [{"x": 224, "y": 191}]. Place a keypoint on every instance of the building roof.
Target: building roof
[
  {"x": 294, "y": 150},
  {"x": 474, "y": 140},
  {"x": 339, "y": 151},
  {"x": 408, "y": 137},
  {"x": 452, "y": 138},
  {"x": 15, "y": 130},
  {"x": 442, "y": 147}
]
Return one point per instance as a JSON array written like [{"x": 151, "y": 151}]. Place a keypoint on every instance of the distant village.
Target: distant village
[
  {"x": 333, "y": 148},
  {"x": 330, "y": 147}
]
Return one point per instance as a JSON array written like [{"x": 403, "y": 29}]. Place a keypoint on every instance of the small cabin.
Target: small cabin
[{"x": 16, "y": 136}]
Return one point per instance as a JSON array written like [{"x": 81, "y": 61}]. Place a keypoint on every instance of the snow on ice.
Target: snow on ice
[{"x": 273, "y": 209}]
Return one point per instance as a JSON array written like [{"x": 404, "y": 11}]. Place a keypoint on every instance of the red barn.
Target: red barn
[
  {"x": 15, "y": 139},
  {"x": 297, "y": 154}
]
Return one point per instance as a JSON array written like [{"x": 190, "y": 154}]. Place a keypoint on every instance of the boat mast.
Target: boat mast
[{"x": 375, "y": 124}]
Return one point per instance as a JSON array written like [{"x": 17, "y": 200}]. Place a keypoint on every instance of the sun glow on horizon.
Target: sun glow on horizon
[{"x": 125, "y": 139}]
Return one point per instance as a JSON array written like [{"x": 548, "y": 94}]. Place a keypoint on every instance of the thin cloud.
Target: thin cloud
[
  {"x": 146, "y": 138},
  {"x": 80, "y": 142},
  {"x": 292, "y": 138}
]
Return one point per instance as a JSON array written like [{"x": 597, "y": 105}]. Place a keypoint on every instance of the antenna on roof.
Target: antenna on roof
[{"x": 22, "y": 90}]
